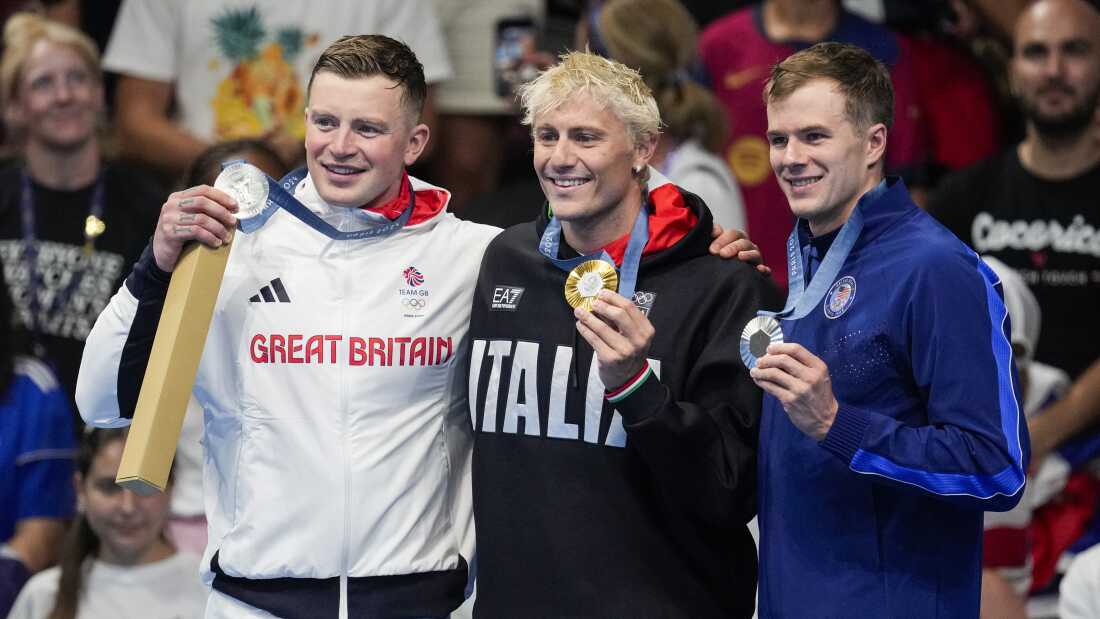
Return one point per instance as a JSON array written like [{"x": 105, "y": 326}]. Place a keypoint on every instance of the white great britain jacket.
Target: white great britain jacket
[{"x": 336, "y": 437}]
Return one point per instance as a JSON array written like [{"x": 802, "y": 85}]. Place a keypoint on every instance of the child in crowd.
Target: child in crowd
[{"x": 117, "y": 562}]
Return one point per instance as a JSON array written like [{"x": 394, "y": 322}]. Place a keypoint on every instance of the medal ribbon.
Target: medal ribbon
[
  {"x": 801, "y": 299},
  {"x": 30, "y": 252},
  {"x": 628, "y": 273},
  {"x": 280, "y": 196}
]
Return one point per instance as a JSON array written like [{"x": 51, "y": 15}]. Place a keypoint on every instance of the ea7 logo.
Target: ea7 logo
[{"x": 506, "y": 298}]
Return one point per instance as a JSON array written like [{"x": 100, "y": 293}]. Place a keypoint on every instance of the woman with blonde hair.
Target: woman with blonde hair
[
  {"x": 658, "y": 38},
  {"x": 64, "y": 208}
]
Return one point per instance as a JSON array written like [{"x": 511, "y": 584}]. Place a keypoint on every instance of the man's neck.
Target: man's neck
[
  {"x": 828, "y": 222},
  {"x": 383, "y": 199},
  {"x": 1058, "y": 158},
  {"x": 800, "y": 20},
  {"x": 587, "y": 236},
  {"x": 63, "y": 170}
]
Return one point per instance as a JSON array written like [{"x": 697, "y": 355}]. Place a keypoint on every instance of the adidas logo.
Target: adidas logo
[{"x": 271, "y": 294}]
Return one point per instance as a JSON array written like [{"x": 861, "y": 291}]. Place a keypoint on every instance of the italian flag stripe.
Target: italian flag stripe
[{"x": 621, "y": 393}]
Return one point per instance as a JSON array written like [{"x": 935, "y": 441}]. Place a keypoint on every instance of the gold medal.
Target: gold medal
[{"x": 587, "y": 280}]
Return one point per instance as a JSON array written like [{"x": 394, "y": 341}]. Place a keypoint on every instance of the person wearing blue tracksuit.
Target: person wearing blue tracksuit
[{"x": 891, "y": 418}]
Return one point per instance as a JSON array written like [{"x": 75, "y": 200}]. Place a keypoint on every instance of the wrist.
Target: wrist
[
  {"x": 845, "y": 435},
  {"x": 160, "y": 260},
  {"x": 826, "y": 423},
  {"x": 147, "y": 280},
  {"x": 629, "y": 385}
]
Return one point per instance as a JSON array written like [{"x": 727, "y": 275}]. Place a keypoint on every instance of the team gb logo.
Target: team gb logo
[{"x": 413, "y": 277}]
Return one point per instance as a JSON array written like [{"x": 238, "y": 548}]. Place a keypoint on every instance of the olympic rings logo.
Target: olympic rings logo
[
  {"x": 412, "y": 303},
  {"x": 644, "y": 298}
]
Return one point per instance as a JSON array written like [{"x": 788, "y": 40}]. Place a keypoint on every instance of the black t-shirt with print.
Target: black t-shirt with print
[
  {"x": 73, "y": 286},
  {"x": 1049, "y": 231}
]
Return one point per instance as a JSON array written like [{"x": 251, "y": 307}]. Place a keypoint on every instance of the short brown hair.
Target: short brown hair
[
  {"x": 862, "y": 79},
  {"x": 365, "y": 55}
]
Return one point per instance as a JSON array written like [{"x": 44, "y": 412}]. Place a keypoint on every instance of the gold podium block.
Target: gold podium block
[{"x": 173, "y": 363}]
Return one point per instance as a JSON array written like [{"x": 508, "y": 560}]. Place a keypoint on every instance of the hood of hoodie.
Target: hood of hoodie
[{"x": 680, "y": 225}]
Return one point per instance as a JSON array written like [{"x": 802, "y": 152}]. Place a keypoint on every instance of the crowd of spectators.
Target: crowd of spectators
[{"x": 996, "y": 132}]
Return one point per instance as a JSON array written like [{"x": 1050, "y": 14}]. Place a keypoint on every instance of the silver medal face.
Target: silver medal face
[
  {"x": 247, "y": 185},
  {"x": 759, "y": 333}
]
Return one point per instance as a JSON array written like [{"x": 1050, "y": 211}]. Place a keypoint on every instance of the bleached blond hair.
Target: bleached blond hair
[
  {"x": 611, "y": 84},
  {"x": 21, "y": 32}
]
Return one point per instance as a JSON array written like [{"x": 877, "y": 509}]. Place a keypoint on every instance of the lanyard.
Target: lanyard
[
  {"x": 280, "y": 196},
  {"x": 802, "y": 298},
  {"x": 628, "y": 273},
  {"x": 93, "y": 227},
  {"x": 26, "y": 204}
]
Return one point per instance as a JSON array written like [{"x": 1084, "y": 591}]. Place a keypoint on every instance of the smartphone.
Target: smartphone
[{"x": 516, "y": 43}]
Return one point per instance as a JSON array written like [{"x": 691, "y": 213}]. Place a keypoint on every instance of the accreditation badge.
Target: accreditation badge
[
  {"x": 246, "y": 184},
  {"x": 758, "y": 334},
  {"x": 586, "y": 280}
]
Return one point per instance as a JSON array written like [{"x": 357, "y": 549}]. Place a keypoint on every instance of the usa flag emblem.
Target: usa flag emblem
[
  {"x": 840, "y": 297},
  {"x": 413, "y": 277}
]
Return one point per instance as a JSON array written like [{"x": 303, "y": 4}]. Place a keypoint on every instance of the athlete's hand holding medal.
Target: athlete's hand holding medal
[
  {"x": 788, "y": 371},
  {"x": 208, "y": 214},
  {"x": 800, "y": 381},
  {"x": 795, "y": 376},
  {"x": 618, "y": 332}
]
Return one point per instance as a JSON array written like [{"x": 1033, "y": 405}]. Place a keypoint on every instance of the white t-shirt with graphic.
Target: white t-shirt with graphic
[{"x": 241, "y": 67}]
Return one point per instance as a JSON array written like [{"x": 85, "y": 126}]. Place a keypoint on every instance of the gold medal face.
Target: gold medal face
[
  {"x": 587, "y": 280},
  {"x": 93, "y": 227}
]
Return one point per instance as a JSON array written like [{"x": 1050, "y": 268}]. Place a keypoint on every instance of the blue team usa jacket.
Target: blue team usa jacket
[{"x": 883, "y": 518}]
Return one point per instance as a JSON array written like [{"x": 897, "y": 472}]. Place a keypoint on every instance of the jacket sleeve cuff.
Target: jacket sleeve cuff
[
  {"x": 146, "y": 280},
  {"x": 639, "y": 398},
  {"x": 845, "y": 437},
  {"x": 632, "y": 383}
]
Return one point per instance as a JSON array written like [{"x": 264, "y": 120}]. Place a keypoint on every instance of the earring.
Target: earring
[{"x": 637, "y": 170}]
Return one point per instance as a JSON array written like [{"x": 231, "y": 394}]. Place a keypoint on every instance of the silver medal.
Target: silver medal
[
  {"x": 246, "y": 184},
  {"x": 758, "y": 334}
]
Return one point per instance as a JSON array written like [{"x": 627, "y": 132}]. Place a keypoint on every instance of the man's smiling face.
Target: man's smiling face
[
  {"x": 822, "y": 161},
  {"x": 583, "y": 157},
  {"x": 360, "y": 136}
]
